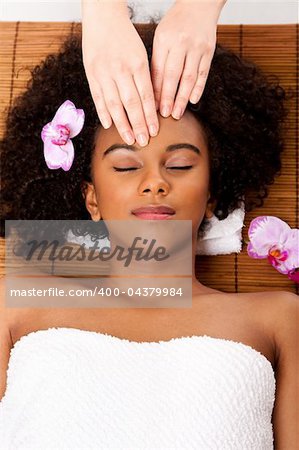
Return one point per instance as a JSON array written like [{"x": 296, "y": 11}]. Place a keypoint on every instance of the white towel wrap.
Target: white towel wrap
[{"x": 69, "y": 389}]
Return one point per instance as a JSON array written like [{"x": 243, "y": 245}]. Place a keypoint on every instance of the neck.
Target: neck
[{"x": 134, "y": 266}]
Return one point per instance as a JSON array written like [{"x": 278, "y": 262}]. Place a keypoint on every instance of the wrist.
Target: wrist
[
  {"x": 208, "y": 8},
  {"x": 104, "y": 8}
]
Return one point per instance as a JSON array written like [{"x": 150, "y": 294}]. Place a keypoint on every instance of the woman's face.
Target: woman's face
[{"x": 172, "y": 170}]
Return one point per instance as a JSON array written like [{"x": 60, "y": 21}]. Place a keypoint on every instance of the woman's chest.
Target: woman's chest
[{"x": 212, "y": 316}]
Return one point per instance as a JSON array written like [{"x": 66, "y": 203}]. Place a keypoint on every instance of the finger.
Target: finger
[
  {"x": 101, "y": 108},
  {"x": 159, "y": 56},
  {"x": 202, "y": 77},
  {"x": 133, "y": 106},
  {"x": 144, "y": 86},
  {"x": 187, "y": 83},
  {"x": 116, "y": 110},
  {"x": 172, "y": 73}
]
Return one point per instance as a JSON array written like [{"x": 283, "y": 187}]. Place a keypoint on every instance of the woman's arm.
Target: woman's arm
[{"x": 286, "y": 408}]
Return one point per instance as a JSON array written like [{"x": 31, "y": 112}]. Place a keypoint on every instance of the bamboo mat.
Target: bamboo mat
[{"x": 273, "y": 47}]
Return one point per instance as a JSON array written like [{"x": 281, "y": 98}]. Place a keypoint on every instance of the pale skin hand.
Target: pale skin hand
[
  {"x": 183, "y": 48},
  {"x": 118, "y": 71}
]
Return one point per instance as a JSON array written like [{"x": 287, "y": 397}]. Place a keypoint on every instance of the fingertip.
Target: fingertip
[
  {"x": 153, "y": 130},
  {"x": 106, "y": 124},
  {"x": 166, "y": 111},
  {"x": 129, "y": 138},
  {"x": 142, "y": 139},
  {"x": 194, "y": 99},
  {"x": 177, "y": 112}
]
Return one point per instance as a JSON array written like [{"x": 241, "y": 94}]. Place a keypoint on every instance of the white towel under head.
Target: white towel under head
[{"x": 221, "y": 236}]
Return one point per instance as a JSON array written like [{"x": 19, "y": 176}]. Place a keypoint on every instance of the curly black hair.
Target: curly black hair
[{"x": 241, "y": 110}]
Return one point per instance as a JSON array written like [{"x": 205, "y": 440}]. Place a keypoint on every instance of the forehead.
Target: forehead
[{"x": 187, "y": 129}]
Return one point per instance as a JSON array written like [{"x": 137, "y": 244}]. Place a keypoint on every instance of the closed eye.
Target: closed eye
[
  {"x": 118, "y": 169},
  {"x": 180, "y": 167}
]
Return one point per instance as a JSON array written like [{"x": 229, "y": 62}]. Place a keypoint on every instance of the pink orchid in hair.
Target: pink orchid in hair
[
  {"x": 272, "y": 238},
  {"x": 57, "y": 134}
]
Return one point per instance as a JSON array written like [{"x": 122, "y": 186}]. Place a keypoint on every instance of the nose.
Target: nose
[{"x": 153, "y": 182}]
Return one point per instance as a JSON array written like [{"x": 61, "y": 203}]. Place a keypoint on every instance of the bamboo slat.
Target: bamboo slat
[{"x": 273, "y": 47}]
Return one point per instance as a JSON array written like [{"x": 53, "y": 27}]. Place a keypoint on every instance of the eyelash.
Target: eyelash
[{"x": 134, "y": 168}]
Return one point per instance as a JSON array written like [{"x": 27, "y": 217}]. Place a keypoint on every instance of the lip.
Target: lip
[{"x": 154, "y": 212}]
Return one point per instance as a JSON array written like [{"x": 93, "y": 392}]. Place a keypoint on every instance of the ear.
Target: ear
[
  {"x": 91, "y": 203},
  {"x": 211, "y": 204}
]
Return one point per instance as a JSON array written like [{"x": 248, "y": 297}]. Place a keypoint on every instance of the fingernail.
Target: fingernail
[
  {"x": 194, "y": 99},
  {"x": 106, "y": 124},
  {"x": 165, "y": 111},
  {"x": 129, "y": 138},
  {"x": 142, "y": 140},
  {"x": 177, "y": 113},
  {"x": 153, "y": 130}
]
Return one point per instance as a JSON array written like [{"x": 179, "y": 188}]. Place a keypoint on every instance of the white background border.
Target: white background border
[{"x": 234, "y": 12}]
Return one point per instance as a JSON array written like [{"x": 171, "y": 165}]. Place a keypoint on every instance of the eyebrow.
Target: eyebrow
[{"x": 169, "y": 148}]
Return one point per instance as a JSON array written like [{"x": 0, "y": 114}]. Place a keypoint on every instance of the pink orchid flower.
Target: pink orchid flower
[
  {"x": 56, "y": 135},
  {"x": 272, "y": 238}
]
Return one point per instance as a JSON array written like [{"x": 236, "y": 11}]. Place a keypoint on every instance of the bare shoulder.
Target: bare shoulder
[
  {"x": 286, "y": 412},
  {"x": 8, "y": 314},
  {"x": 279, "y": 314},
  {"x": 5, "y": 313},
  {"x": 277, "y": 309},
  {"x": 284, "y": 301},
  {"x": 279, "y": 298},
  {"x": 263, "y": 319},
  {"x": 5, "y": 338},
  {"x": 281, "y": 307},
  {"x": 285, "y": 322},
  {"x": 6, "y": 318},
  {"x": 271, "y": 306},
  {"x": 14, "y": 320},
  {"x": 273, "y": 297}
]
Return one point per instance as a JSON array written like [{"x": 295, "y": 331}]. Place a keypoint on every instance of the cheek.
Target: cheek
[
  {"x": 195, "y": 196},
  {"x": 196, "y": 189},
  {"x": 196, "y": 202},
  {"x": 113, "y": 196}
]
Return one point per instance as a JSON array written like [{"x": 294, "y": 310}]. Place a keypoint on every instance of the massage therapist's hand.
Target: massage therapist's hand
[
  {"x": 117, "y": 70},
  {"x": 183, "y": 48}
]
